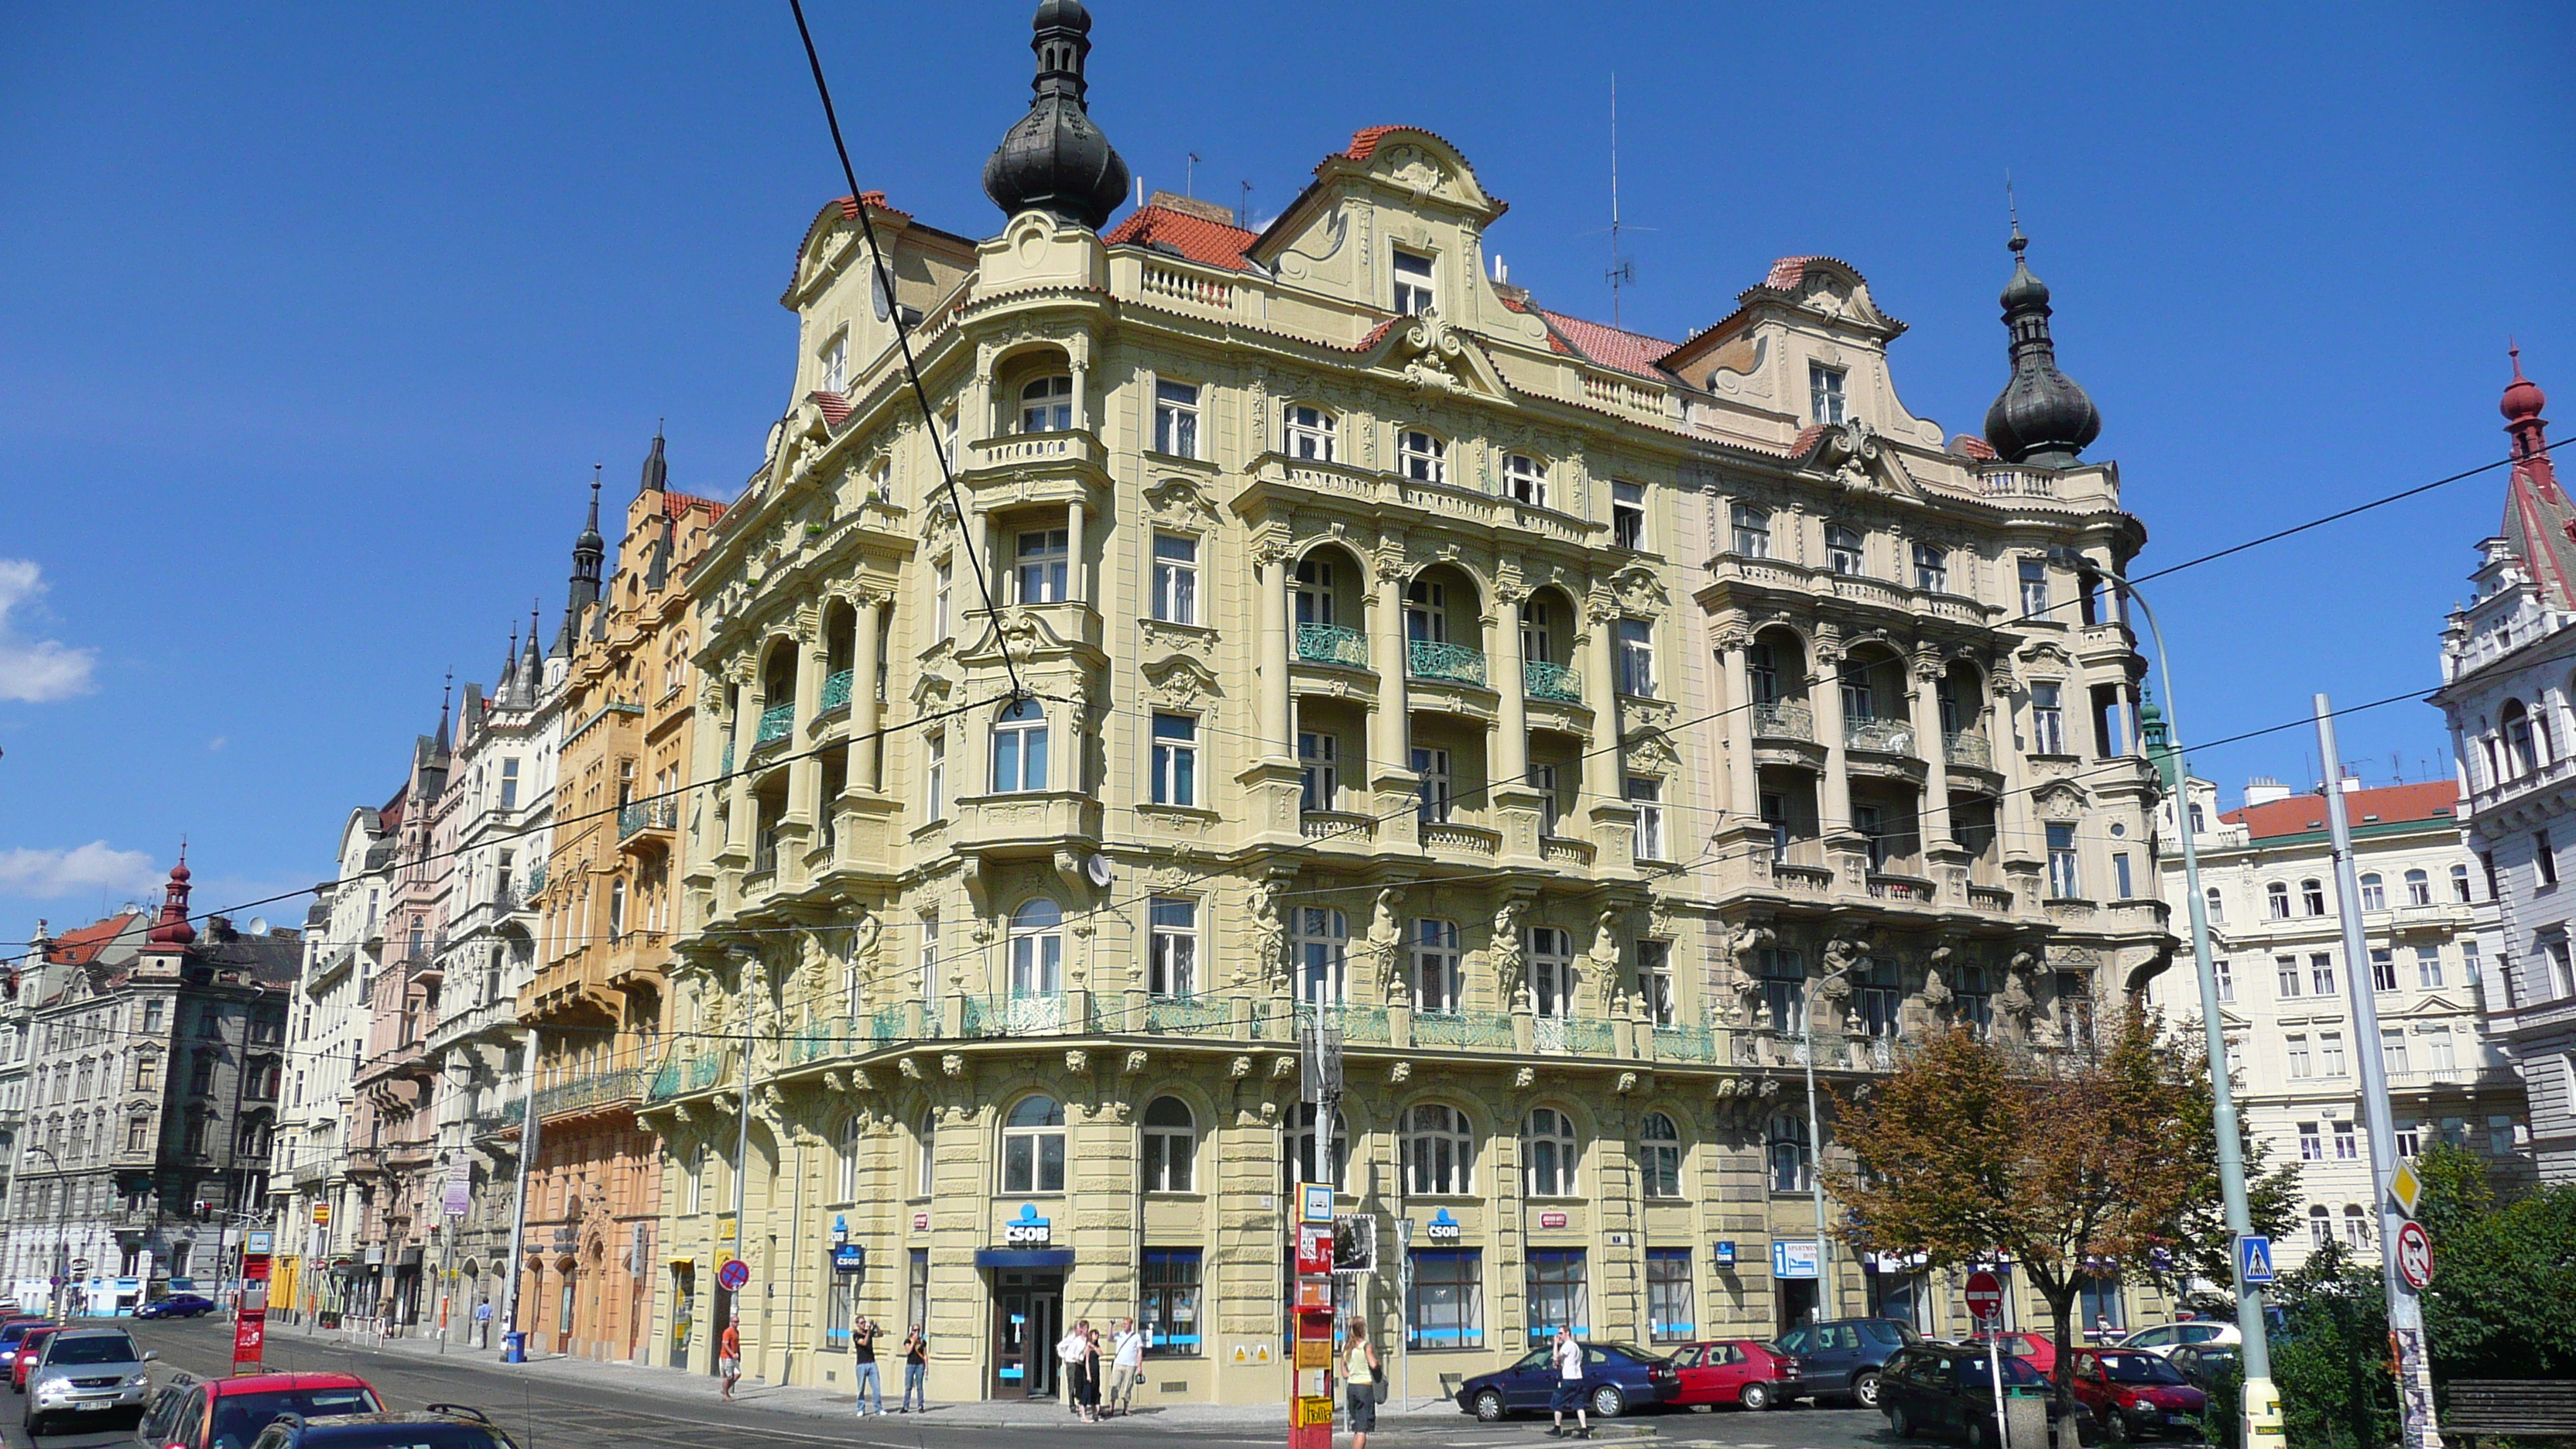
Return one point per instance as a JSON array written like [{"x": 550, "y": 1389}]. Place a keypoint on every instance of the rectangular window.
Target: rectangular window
[
  {"x": 930, "y": 957},
  {"x": 1174, "y": 969},
  {"x": 2065, "y": 879},
  {"x": 2383, "y": 969},
  {"x": 1670, "y": 1314},
  {"x": 1647, "y": 795},
  {"x": 1310, "y": 433},
  {"x": 2321, "y": 979},
  {"x": 2410, "y": 1141},
  {"x": 1931, "y": 568},
  {"x": 1637, "y": 658},
  {"x": 1542, "y": 778},
  {"x": 916, "y": 1287},
  {"x": 2347, "y": 1143},
  {"x": 1176, "y": 579},
  {"x": 2330, "y": 1053},
  {"x": 1422, "y": 457},
  {"x": 1525, "y": 479},
  {"x": 2288, "y": 969},
  {"x": 1551, "y": 972},
  {"x": 2392, "y": 1049},
  {"x": 2295, "y": 1050},
  {"x": 1436, "y": 800},
  {"x": 1446, "y": 1307},
  {"x": 1176, "y": 759},
  {"x": 2438, "y": 1052},
  {"x": 2226, "y": 975},
  {"x": 2544, "y": 859},
  {"x": 509, "y": 784},
  {"x": 1752, "y": 531},
  {"x": 2428, "y": 967},
  {"x": 1176, "y": 419},
  {"x": 2120, "y": 882},
  {"x": 1171, "y": 1307},
  {"x": 1655, "y": 980},
  {"x": 1843, "y": 551},
  {"x": 2034, "y": 587},
  {"x": 1320, "y": 774},
  {"x": 1628, "y": 515},
  {"x": 943, "y": 580},
  {"x": 935, "y": 779},
  {"x": 1558, "y": 1294},
  {"x": 1046, "y": 406},
  {"x": 2047, "y": 720},
  {"x": 2236, "y": 1058},
  {"x": 1413, "y": 294},
  {"x": 1824, "y": 393},
  {"x": 2312, "y": 1143},
  {"x": 1042, "y": 566},
  {"x": 2562, "y": 971},
  {"x": 2469, "y": 960}
]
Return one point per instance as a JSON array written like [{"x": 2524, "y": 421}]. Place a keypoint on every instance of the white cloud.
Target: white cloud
[
  {"x": 39, "y": 874},
  {"x": 36, "y": 670}
]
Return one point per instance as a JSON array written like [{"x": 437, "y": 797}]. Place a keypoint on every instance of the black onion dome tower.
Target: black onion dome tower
[
  {"x": 2042, "y": 418},
  {"x": 1055, "y": 160}
]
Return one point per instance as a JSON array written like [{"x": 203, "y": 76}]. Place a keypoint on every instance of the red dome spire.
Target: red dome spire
[
  {"x": 173, "y": 928},
  {"x": 2522, "y": 397}
]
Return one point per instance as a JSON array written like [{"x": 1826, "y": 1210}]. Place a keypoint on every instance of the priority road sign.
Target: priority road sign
[
  {"x": 1985, "y": 1295},
  {"x": 2406, "y": 1187},
  {"x": 2254, "y": 1258},
  {"x": 2414, "y": 1255}
]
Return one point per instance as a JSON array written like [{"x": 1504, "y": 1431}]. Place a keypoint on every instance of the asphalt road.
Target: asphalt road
[{"x": 547, "y": 1412}]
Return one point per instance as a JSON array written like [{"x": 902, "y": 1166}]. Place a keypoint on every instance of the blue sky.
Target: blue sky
[{"x": 313, "y": 319}]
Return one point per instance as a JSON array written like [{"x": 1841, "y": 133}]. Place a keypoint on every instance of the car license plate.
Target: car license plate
[{"x": 94, "y": 1404}]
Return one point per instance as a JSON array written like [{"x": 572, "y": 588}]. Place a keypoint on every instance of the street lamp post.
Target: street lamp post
[
  {"x": 1829, "y": 1298},
  {"x": 62, "y": 1220},
  {"x": 2262, "y": 1402}
]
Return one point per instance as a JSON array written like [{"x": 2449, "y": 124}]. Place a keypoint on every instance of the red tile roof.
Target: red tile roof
[
  {"x": 1786, "y": 272},
  {"x": 1208, "y": 242},
  {"x": 836, "y": 408},
  {"x": 1364, "y": 141},
  {"x": 2392, "y": 804},
  {"x": 877, "y": 199},
  {"x": 676, "y": 506},
  {"x": 79, "y": 948},
  {"x": 1609, "y": 346}
]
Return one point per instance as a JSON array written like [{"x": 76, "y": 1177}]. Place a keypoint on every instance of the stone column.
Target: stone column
[
  {"x": 1390, "y": 747},
  {"x": 1935, "y": 814},
  {"x": 1826, "y": 698},
  {"x": 1511, "y": 757},
  {"x": 1074, "y": 583},
  {"x": 2021, "y": 850},
  {"x": 738, "y": 812},
  {"x": 1276, "y": 651},
  {"x": 865, "y": 711},
  {"x": 1601, "y": 760},
  {"x": 1743, "y": 782}
]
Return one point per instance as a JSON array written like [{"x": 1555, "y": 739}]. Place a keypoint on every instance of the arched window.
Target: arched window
[
  {"x": 1525, "y": 479},
  {"x": 1548, "y": 1154},
  {"x": 1439, "y": 1152},
  {"x": 2356, "y": 1226},
  {"x": 2277, "y": 897},
  {"x": 1033, "y": 1146},
  {"x": 1421, "y": 456},
  {"x": 1303, "y": 1162},
  {"x": 1659, "y": 1156},
  {"x": 2320, "y": 1226},
  {"x": 925, "y": 1155},
  {"x": 1037, "y": 948},
  {"x": 1171, "y": 1145},
  {"x": 1046, "y": 405},
  {"x": 1020, "y": 748},
  {"x": 2312, "y": 895},
  {"x": 1788, "y": 1156},
  {"x": 850, "y": 1136},
  {"x": 2217, "y": 912},
  {"x": 2419, "y": 888},
  {"x": 1311, "y": 432},
  {"x": 2199, "y": 819},
  {"x": 2514, "y": 722},
  {"x": 2374, "y": 892}
]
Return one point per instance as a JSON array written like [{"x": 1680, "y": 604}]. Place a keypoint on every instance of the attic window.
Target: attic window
[
  {"x": 2369, "y": 819},
  {"x": 1413, "y": 295},
  {"x": 1825, "y": 393}
]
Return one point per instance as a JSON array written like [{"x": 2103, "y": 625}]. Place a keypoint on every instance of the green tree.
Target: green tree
[
  {"x": 2330, "y": 1362},
  {"x": 2205, "y": 1249},
  {"x": 2502, "y": 1303}
]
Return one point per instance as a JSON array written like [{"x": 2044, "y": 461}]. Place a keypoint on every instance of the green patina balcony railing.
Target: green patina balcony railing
[
  {"x": 1360, "y": 1024},
  {"x": 647, "y": 815},
  {"x": 1542, "y": 680},
  {"x": 1189, "y": 1015},
  {"x": 836, "y": 689},
  {"x": 885, "y": 1025},
  {"x": 776, "y": 723},
  {"x": 1454, "y": 663},
  {"x": 1685, "y": 1044},
  {"x": 823, "y": 1038},
  {"x": 1464, "y": 1030},
  {"x": 1017, "y": 1016},
  {"x": 727, "y": 767},
  {"x": 1332, "y": 644},
  {"x": 1575, "y": 1036}
]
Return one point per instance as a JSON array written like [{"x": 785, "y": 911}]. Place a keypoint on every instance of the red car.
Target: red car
[
  {"x": 197, "y": 1414},
  {"x": 2134, "y": 1394},
  {"x": 2036, "y": 1349},
  {"x": 30, "y": 1349},
  {"x": 1742, "y": 1371}
]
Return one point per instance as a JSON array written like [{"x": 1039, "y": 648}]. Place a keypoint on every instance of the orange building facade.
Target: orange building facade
[{"x": 598, "y": 1003}]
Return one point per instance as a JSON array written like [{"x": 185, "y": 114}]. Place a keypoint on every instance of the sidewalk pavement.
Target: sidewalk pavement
[{"x": 697, "y": 1388}]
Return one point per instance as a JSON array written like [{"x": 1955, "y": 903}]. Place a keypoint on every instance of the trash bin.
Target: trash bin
[
  {"x": 2026, "y": 1415},
  {"x": 514, "y": 1348}
]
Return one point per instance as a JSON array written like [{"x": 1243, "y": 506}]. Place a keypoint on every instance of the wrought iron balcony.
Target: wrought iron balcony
[
  {"x": 1879, "y": 736},
  {"x": 1542, "y": 680},
  {"x": 836, "y": 689},
  {"x": 1332, "y": 644},
  {"x": 1784, "y": 719},
  {"x": 776, "y": 722},
  {"x": 587, "y": 1093},
  {"x": 1454, "y": 663},
  {"x": 647, "y": 815},
  {"x": 1969, "y": 748}
]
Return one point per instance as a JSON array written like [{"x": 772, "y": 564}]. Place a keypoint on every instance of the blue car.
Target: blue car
[
  {"x": 1617, "y": 1377},
  {"x": 177, "y": 1305}
]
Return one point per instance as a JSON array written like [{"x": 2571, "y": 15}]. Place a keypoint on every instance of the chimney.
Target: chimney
[{"x": 2263, "y": 790}]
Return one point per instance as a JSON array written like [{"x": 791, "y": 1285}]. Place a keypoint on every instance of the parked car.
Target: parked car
[
  {"x": 1742, "y": 1371},
  {"x": 29, "y": 1347},
  {"x": 1948, "y": 1389},
  {"x": 2165, "y": 1337},
  {"x": 193, "y": 1413},
  {"x": 1844, "y": 1356},
  {"x": 13, "y": 1333},
  {"x": 2206, "y": 1363},
  {"x": 2134, "y": 1394},
  {"x": 86, "y": 1374},
  {"x": 177, "y": 1305},
  {"x": 2036, "y": 1349},
  {"x": 440, "y": 1426},
  {"x": 1617, "y": 1377}
]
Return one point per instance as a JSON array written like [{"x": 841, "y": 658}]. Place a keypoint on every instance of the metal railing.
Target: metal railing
[
  {"x": 1455, "y": 663},
  {"x": 647, "y": 815},
  {"x": 1189, "y": 1015},
  {"x": 836, "y": 689},
  {"x": 1784, "y": 719},
  {"x": 1879, "y": 736},
  {"x": 776, "y": 723},
  {"x": 1332, "y": 644},
  {"x": 1969, "y": 748},
  {"x": 1685, "y": 1044},
  {"x": 1464, "y": 1030},
  {"x": 1574, "y": 1036},
  {"x": 1542, "y": 680},
  {"x": 1358, "y": 1024},
  {"x": 599, "y": 1089}
]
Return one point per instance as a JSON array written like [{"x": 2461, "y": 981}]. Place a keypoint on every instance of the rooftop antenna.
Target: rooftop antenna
[
  {"x": 1622, "y": 272},
  {"x": 1190, "y": 176}
]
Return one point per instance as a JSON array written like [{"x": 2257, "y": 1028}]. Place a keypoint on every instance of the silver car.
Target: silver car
[{"x": 85, "y": 1372}]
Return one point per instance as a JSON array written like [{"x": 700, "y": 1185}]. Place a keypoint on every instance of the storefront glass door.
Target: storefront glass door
[{"x": 1028, "y": 1318}]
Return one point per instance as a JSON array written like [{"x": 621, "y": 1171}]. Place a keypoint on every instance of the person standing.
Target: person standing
[
  {"x": 1127, "y": 1354},
  {"x": 729, "y": 1357},
  {"x": 1360, "y": 1369},
  {"x": 916, "y": 1371},
  {"x": 1068, "y": 1356},
  {"x": 1568, "y": 1358},
  {"x": 1087, "y": 1383},
  {"x": 863, "y": 1347}
]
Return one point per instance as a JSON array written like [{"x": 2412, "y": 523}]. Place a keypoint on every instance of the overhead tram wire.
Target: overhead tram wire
[{"x": 883, "y": 280}]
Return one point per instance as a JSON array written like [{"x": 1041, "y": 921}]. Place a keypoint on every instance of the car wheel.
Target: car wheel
[
  {"x": 1756, "y": 1397},
  {"x": 1976, "y": 1432},
  {"x": 1865, "y": 1388},
  {"x": 38, "y": 1426},
  {"x": 2115, "y": 1427},
  {"x": 1608, "y": 1402},
  {"x": 1489, "y": 1407},
  {"x": 1900, "y": 1423}
]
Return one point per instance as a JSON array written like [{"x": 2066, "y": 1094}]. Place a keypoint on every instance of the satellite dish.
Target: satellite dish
[
  {"x": 259, "y": 925},
  {"x": 1097, "y": 868}
]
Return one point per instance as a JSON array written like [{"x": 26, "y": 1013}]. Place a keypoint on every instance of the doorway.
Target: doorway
[
  {"x": 1028, "y": 1318},
  {"x": 1796, "y": 1298},
  {"x": 723, "y": 1316},
  {"x": 684, "y": 1310}
]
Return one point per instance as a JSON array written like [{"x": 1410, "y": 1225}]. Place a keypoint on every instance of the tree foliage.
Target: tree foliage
[
  {"x": 2330, "y": 1361},
  {"x": 2502, "y": 1303}
]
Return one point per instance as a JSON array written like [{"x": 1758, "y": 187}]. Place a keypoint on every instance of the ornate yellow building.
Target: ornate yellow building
[{"x": 1593, "y": 728}]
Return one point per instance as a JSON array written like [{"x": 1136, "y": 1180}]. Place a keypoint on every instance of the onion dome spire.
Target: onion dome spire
[
  {"x": 2539, "y": 518},
  {"x": 1055, "y": 160},
  {"x": 2042, "y": 417},
  {"x": 172, "y": 929}
]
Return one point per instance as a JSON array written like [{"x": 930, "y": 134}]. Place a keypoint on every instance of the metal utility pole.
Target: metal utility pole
[
  {"x": 2405, "y": 1310},
  {"x": 2262, "y": 1402},
  {"x": 1829, "y": 1297},
  {"x": 519, "y": 1214}
]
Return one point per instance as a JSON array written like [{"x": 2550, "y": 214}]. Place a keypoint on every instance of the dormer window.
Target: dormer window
[
  {"x": 1413, "y": 295},
  {"x": 836, "y": 364},
  {"x": 1046, "y": 405},
  {"x": 1825, "y": 393},
  {"x": 1525, "y": 479}
]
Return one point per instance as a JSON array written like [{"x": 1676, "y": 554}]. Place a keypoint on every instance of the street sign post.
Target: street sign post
[
  {"x": 2254, "y": 1258},
  {"x": 2406, "y": 1187},
  {"x": 734, "y": 1276},
  {"x": 1985, "y": 1296},
  {"x": 2415, "y": 1256}
]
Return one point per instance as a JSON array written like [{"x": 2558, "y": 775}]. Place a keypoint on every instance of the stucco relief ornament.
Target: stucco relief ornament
[
  {"x": 1936, "y": 992},
  {"x": 867, "y": 944},
  {"x": 1267, "y": 959},
  {"x": 1842, "y": 958},
  {"x": 1386, "y": 942},
  {"x": 1510, "y": 968},
  {"x": 1605, "y": 955},
  {"x": 1748, "y": 985},
  {"x": 2016, "y": 998}
]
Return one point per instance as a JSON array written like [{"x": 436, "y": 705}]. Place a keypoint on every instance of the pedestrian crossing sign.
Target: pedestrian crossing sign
[{"x": 2254, "y": 1258}]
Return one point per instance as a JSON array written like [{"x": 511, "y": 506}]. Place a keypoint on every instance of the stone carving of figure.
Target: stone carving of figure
[
  {"x": 1386, "y": 940},
  {"x": 1605, "y": 955},
  {"x": 1748, "y": 985},
  {"x": 1842, "y": 958},
  {"x": 1269, "y": 935},
  {"x": 2016, "y": 999},
  {"x": 1511, "y": 968},
  {"x": 1936, "y": 992}
]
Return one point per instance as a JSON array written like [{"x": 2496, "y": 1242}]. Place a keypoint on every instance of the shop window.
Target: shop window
[
  {"x": 1445, "y": 1307},
  {"x": 1559, "y": 1296},
  {"x": 1671, "y": 1316},
  {"x": 1171, "y": 1302}
]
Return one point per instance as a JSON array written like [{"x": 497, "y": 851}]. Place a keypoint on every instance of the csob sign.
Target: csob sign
[
  {"x": 1442, "y": 1228},
  {"x": 1028, "y": 1230}
]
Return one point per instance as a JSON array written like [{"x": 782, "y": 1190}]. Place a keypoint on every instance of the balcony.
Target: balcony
[
  {"x": 1886, "y": 886},
  {"x": 1030, "y": 1015},
  {"x": 836, "y": 690},
  {"x": 1879, "y": 736},
  {"x": 1189, "y": 1015},
  {"x": 647, "y": 815},
  {"x": 1542, "y": 680},
  {"x": 1814, "y": 880},
  {"x": 1447, "y": 663},
  {"x": 1332, "y": 644},
  {"x": 1358, "y": 1025},
  {"x": 1464, "y": 1030},
  {"x": 1968, "y": 749},
  {"x": 1032, "y": 822},
  {"x": 1446, "y": 837},
  {"x": 1784, "y": 719},
  {"x": 1573, "y": 1036},
  {"x": 591, "y": 1093},
  {"x": 776, "y": 723}
]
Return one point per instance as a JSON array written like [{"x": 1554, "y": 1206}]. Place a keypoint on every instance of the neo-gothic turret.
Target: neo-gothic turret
[
  {"x": 1055, "y": 160},
  {"x": 586, "y": 553},
  {"x": 2042, "y": 418}
]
